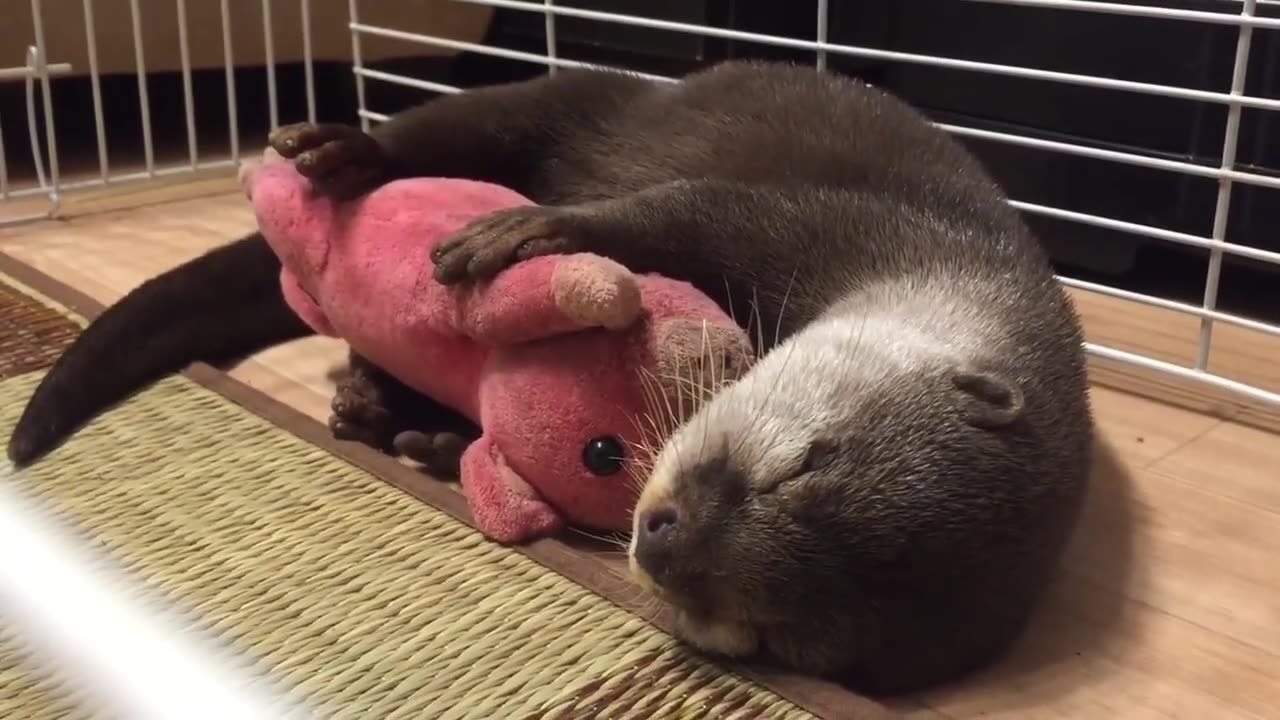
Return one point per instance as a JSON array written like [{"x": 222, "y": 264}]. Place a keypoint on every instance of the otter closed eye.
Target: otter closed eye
[{"x": 818, "y": 455}]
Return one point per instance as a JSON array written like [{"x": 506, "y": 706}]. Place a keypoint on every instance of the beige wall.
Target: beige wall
[{"x": 64, "y": 27}]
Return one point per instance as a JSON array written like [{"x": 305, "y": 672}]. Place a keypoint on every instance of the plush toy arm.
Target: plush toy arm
[
  {"x": 505, "y": 507},
  {"x": 548, "y": 296}
]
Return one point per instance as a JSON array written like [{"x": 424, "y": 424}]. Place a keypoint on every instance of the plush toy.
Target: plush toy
[{"x": 563, "y": 361}]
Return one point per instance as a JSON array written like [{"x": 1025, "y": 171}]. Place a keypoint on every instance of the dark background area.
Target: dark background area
[{"x": 1184, "y": 54}]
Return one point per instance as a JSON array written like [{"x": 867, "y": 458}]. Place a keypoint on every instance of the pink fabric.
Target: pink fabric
[{"x": 527, "y": 356}]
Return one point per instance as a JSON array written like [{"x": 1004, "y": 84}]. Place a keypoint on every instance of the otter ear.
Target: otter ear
[{"x": 988, "y": 400}]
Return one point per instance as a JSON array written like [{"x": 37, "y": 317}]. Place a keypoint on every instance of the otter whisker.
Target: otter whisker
[
  {"x": 702, "y": 397},
  {"x": 655, "y": 425},
  {"x": 642, "y": 458},
  {"x": 718, "y": 358},
  {"x": 636, "y": 480},
  {"x": 630, "y": 593},
  {"x": 705, "y": 384},
  {"x": 760, "y": 408},
  {"x": 645, "y": 602},
  {"x": 700, "y": 389},
  {"x": 764, "y": 402},
  {"x": 647, "y": 386},
  {"x": 755, "y": 312},
  {"x": 666, "y": 398},
  {"x": 699, "y": 374},
  {"x": 651, "y": 458},
  {"x": 680, "y": 391},
  {"x": 639, "y": 469},
  {"x": 782, "y": 309},
  {"x": 640, "y": 463},
  {"x": 635, "y": 485},
  {"x": 638, "y": 430},
  {"x": 725, "y": 380},
  {"x": 760, "y": 350},
  {"x": 642, "y": 443},
  {"x": 652, "y": 434},
  {"x": 660, "y": 402},
  {"x": 635, "y": 466},
  {"x": 728, "y": 295},
  {"x": 607, "y": 539}
]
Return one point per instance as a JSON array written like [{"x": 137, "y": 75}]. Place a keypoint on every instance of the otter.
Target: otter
[{"x": 884, "y": 496}]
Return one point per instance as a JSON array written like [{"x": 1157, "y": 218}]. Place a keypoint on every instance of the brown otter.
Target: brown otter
[{"x": 883, "y": 497}]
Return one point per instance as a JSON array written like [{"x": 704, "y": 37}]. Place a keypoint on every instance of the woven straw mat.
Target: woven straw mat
[{"x": 357, "y": 599}]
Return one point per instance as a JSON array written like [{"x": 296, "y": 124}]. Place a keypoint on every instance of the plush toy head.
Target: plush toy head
[
  {"x": 576, "y": 415},
  {"x": 572, "y": 365}
]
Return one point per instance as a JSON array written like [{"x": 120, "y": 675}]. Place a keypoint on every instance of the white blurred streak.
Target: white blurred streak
[{"x": 82, "y": 626}]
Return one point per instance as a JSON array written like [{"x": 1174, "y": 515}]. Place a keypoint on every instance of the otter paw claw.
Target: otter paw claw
[
  {"x": 341, "y": 161},
  {"x": 498, "y": 240}
]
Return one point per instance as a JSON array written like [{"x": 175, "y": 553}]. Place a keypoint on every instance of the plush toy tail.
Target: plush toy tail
[
  {"x": 289, "y": 214},
  {"x": 216, "y": 309}
]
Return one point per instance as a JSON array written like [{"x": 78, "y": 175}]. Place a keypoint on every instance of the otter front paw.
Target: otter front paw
[
  {"x": 440, "y": 453},
  {"x": 717, "y": 637},
  {"x": 498, "y": 240},
  {"x": 341, "y": 161}
]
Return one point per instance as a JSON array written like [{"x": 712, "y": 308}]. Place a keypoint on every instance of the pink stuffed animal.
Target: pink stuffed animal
[{"x": 558, "y": 359}]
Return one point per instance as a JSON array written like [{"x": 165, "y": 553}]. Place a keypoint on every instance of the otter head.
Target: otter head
[{"x": 843, "y": 481}]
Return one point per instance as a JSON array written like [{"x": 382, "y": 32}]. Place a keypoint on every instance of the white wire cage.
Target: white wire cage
[{"x": 810, "y": 32}]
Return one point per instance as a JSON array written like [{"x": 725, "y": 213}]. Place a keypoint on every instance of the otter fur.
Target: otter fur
[{"x": 881, "y": 499}]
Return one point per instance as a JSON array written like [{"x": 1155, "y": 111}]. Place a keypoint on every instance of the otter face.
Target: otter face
[
  {"x": 837, "y": 478},
  {"x": 741, "y": 500}
]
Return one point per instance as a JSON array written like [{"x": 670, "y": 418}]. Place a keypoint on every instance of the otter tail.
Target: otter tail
[{"x": 216, "y": 308}]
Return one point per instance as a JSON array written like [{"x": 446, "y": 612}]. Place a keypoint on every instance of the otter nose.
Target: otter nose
[
  {"x": 658, "y": 522},
  {"x": 654, "y": 550}
]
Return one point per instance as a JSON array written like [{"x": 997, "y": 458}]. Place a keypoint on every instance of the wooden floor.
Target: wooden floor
[{"x": 1170, "y": 605}]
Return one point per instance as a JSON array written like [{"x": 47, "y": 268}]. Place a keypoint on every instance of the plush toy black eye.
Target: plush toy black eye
[{"x": 603, "y": 455}]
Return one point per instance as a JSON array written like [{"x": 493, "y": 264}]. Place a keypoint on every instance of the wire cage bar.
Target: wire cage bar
[
  {"x": 41, "y": 64},
  {"x": 1243, "y": 16},
  {"x": 95, "y": 84},
  {"x": 144, "y": 100},
  {"x": 1225, "y": 173},
  {"x": 1230, "y": 142},
  {"x": 188, "y": 100},
  {"x": 269, "y": 43},
  {"x": 308, "y": 62}
]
